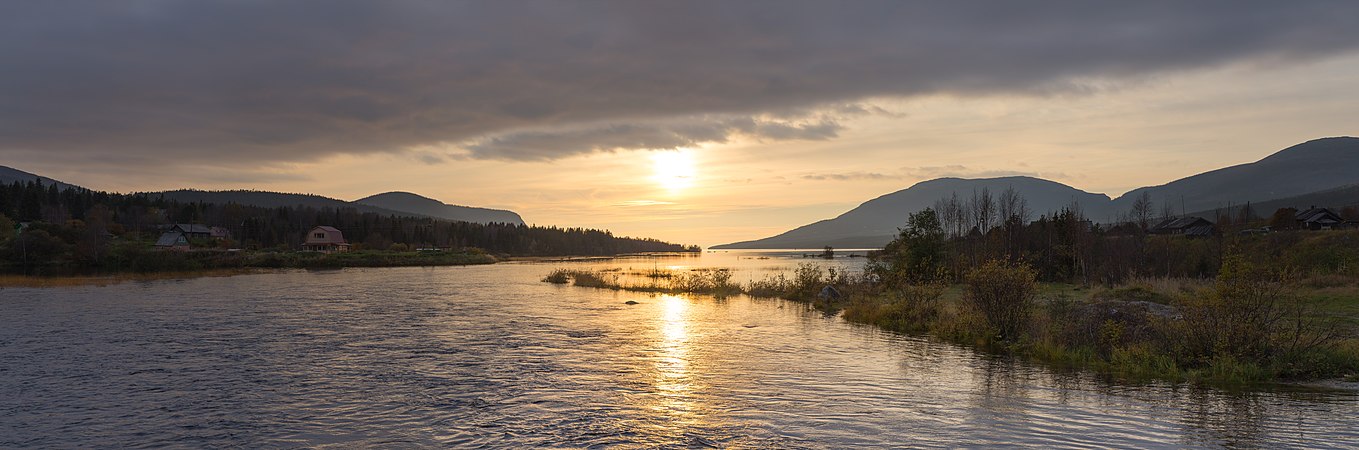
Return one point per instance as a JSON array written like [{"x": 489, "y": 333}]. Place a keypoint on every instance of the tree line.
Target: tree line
[
  {"x": 81, "y": 225},
  {"x": 958, "y": 234}
]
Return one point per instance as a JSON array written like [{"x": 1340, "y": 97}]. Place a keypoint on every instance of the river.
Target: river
[{"x": 489, "y": 356}]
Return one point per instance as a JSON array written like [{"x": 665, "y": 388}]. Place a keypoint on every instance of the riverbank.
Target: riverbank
[{"x": 1142, "y": 330}]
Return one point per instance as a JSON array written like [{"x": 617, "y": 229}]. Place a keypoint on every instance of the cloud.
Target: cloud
[
  {"x": 961, "y": 171},
  {"x": 222, "y": 82},
  {"x": 658, "y": 135},
  {"x": 643, "y": 203},
  {"x": 932, "y": 172},
  {"x": 849, "y": 176}
]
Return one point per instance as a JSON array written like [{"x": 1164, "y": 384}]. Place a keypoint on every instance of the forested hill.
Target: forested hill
[{"x": 89, "y": 220}]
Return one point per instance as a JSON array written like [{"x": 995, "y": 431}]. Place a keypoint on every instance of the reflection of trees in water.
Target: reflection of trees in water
[
  {"x": 1230, "y": 419},
  {"x": 1003, "y": 384}
]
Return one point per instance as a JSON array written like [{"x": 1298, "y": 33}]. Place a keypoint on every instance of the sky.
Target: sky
[{"x": 700, "y": 122}]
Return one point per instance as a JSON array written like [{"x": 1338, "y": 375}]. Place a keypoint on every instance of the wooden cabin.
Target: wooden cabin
[
  {"x": 1316, "y": 218},
  {"x": 325, "y": 239}
]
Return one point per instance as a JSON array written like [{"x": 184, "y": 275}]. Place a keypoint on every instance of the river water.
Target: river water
[{"x": 489, "y": 356}]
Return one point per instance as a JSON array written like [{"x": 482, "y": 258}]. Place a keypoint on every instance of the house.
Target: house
[
  {"x": 192, "y": 230},
  {"x": 219, "y": 233},
  {"x": 1316, "y": 218},
  {"x": 173, "y": 240},
  {"x": 1185, "y": 226},
  {"x": 325, "y": 239}
]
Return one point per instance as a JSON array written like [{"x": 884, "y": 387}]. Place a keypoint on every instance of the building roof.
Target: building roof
[
  {"x": 1199, "y": 230},
  {"x": 171, "y": 239},
  {"x": 192, "y": 228},
  {"x": 1318, "y": 215},
  {"x": 333, "y": 236},
  {"x": 1182, "y": 223}
]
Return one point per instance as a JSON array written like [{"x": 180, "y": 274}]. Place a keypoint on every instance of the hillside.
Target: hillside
[
  {"x": 874, "y": 223},
  {"x": 1309, "y": 167},
  {"x": 392, "y": 203},
  {"x": 9, "y": 175},
  {"x": 266, "y": 199},
  {"x": 1337, "y": 198},
  {"x": 405, "y": 201}
]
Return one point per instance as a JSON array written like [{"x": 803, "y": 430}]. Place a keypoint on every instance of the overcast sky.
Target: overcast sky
[{"x": 702, "y": 122}]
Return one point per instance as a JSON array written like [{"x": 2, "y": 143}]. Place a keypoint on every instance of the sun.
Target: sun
[{"x": 673, "y": 169}]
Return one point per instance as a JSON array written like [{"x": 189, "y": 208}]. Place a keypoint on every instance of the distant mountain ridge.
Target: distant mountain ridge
[
  {"x": 9, "y": 175},
  {"x": 390, "y": 203},
  {"x": 406, "y": 201},
  {"x": 1315, "y": 170},
  {"x": 268, "y": 199},
  {"x": 387, "y": 204},
  {"x": 1305, "y": 168},
  {"x": 874, "y": 223}
]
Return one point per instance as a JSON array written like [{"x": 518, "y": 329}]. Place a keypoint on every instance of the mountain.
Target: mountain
[
  {"x": 9, "y": 175},
  {"x": 874, "y": 223},
  {"x": 1305, "y": 168},
  {"x": 387, "y": 204},
  {"x": 1318, "y": 172},
  {"x": 405, "y": 201},
  {"x": 268, "y": 199},
  {"x": 392, "y": 203}
]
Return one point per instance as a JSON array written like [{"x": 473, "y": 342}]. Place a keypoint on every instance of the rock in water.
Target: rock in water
[{"x": 829, "y": 293}]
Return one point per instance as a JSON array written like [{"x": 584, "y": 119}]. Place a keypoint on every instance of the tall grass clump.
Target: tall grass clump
[
  {"x": 558, "y": 276},
  {"x": 912, "y": 308},
  {"x": 715, "y": 282}
]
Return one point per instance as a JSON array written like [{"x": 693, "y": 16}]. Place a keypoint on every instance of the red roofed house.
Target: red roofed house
[{"x": 325, "y": 239}]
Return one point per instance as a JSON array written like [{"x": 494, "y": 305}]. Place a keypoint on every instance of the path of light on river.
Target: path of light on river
[{"x": 490, "y": 356}]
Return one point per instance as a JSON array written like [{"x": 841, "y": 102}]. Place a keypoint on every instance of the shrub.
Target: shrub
[
  {"x": 807, "y": 282},
  {"x": 1002, "y": 293},
  {"x": 1251, "y": 317}
]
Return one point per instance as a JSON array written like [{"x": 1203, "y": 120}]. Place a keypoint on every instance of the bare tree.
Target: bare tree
[
  {"x": 983, "y": 208},
  {"x": 944, "y": 211},
  {"x": 952, "y": 216},
  {"x": 1142, "y": 210},
  {"x": 1167, "y": 211},
  {"x": 1012, "y": 205}
]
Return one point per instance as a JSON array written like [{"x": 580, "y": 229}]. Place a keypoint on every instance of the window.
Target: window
[{"x": 319, "y": 235}]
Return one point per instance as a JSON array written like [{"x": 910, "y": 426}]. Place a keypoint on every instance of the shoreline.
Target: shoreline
[{"x": 953, "y": 324}]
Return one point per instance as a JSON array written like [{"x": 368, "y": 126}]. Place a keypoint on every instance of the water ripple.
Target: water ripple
[{"x": 483, "y": 357}]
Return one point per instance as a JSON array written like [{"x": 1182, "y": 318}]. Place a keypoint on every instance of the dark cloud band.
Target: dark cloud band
[{"x": 290, "y": 81}]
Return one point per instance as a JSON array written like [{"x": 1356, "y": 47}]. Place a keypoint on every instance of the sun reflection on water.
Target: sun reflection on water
[{"x": 674, "y": 381}]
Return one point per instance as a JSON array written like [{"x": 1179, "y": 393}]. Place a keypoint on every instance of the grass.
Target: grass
[{"x": 715, "y": 282}]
